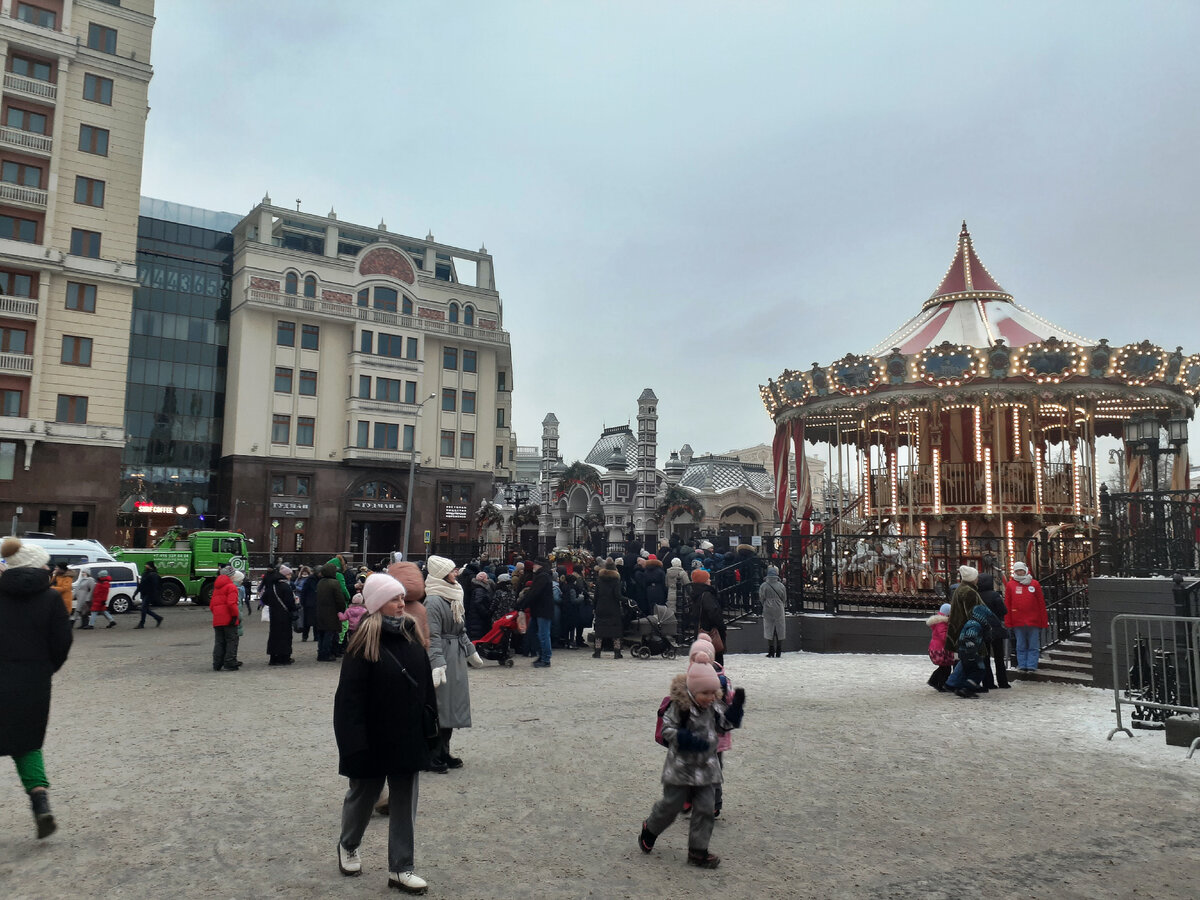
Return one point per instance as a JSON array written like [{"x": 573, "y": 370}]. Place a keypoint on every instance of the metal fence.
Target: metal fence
[
  {"x": 1151, "y": 532},
  {"x": 1156, "y": 670}
]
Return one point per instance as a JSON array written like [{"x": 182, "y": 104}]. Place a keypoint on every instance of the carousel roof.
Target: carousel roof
[
  {"x": 727, "y": 474},
  {"x": 970, "y": 308}
]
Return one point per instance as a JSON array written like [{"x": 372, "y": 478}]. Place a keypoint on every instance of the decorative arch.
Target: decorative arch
[
  {"x": 741, "y": 511},
  {"x": 373, "y": 487},
  {"x": 384, "y": 259}
]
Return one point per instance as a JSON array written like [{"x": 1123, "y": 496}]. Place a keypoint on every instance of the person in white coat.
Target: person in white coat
[
  {"x": 450, "y": 652},
  {"x": 773, "y": 597}
]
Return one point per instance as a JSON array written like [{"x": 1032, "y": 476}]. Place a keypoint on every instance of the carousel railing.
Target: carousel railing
[{"x": 964, "y": 485}]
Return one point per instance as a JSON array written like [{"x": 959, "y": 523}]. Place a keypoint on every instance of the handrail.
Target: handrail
[{"x": 34, "y": 86}]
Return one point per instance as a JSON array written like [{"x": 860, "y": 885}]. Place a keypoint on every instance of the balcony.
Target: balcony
[
  {"x": 391, "y": 363},
  {"x": 18, "y": 307},
  {"x": 16, "y": 363},
  {"x": 26, "y": 196},
  {"x": 349, "y": 312},
  {"x": 969, "y": 488},
  {"x": 373, "y": 456},
  {"x": 365, "y": 405},
  {"x": 35, "y": 88},
  {"x": 27, "y": 141}
]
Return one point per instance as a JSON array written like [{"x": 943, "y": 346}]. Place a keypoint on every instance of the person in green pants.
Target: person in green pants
[{"x": 35, "y": 638}]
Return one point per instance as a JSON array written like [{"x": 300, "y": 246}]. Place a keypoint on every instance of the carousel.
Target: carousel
[{"x": 967, "y": 431}]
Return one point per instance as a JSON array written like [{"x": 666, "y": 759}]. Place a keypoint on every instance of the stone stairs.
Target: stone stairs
[{"x": 1069, "y": 662}]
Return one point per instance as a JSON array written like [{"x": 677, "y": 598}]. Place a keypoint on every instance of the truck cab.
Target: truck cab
[{"x": 189, "y": 564}]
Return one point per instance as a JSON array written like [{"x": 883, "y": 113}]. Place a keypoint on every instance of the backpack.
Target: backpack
[{"x": 662, "y": 708}]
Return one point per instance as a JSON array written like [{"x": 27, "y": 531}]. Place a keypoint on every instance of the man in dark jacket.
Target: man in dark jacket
[
  {"x": 540, "y": 601},
  {"x": 35, "y": 638},
  {"x": 150, "y": 588},
  {"x": 331, "y": 600},
  {"x": 995, "y": 602}
]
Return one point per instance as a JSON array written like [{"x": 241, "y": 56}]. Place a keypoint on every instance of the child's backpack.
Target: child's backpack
[{"x": 662, "y": 708}]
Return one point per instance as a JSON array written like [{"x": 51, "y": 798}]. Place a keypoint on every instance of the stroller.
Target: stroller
[
  {"x": 647, "y": 636},
  {"x": 497, "y": 643}
]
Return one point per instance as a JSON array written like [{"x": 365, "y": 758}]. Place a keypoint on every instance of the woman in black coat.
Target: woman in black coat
[
  {"x": 479, "y": 610},
  {"x": 380, "y": 724},
  {"x": 610, "y": 606},
  {"x": 280, "y": 599},
  {"x": 706, "y": 609},
  {"x": 331, "y": 600},
  {"x": 35, "y": 637}
]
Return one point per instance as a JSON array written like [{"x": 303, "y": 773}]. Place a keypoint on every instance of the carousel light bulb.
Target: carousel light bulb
[
  {"x": 987, "y": 480},
  {"x": 964, "y": 540}
]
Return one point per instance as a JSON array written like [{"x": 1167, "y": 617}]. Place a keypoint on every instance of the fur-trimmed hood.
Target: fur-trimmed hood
[
  {"x": 680, "y": 695},
  {"x": 935, "y": 619},
  {"x": 651, "y": 563},
  {"x": 608, "y": 573}
]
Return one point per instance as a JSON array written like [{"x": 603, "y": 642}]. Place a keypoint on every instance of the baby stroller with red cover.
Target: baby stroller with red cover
[{"x": 497, "y": 643}]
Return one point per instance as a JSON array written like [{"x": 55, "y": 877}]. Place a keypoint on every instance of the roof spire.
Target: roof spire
[{"x": 967, "y": 279}]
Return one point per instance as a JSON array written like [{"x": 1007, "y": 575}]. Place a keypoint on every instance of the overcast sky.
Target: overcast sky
[{"x": 694, "y": 196}]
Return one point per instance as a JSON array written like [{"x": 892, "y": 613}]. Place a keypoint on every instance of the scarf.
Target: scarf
[
  {"x": 451, "y": 593},
  {"x": 1024, "y": 579}
]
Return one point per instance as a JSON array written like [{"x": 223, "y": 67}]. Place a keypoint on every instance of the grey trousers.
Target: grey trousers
[
  {"x": 402, "y": 816},
  {"x": 703, "y": 799},
  {"x": 225, "y": 645}
]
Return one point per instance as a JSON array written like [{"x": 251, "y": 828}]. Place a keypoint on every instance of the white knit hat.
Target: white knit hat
[
  {"x": 16, "y": 554},
  {"x": 378, "y": 589},
  {"x": 439, "y": 566},
  {"x": 968, "y": 574}
]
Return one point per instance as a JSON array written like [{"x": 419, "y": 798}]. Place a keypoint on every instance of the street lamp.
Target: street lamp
[
  {"x": 1142, "y": 438},
  {"x": 412, "y": 469}
]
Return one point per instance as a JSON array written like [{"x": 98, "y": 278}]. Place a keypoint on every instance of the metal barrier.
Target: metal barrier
[{"x": 1156, "y": 669}]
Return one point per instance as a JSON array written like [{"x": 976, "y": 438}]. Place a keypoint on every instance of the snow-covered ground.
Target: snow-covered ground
[{"x": 851, "y": 778}]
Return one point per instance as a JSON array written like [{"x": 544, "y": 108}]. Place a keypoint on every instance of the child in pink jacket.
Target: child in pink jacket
[
  {"x": 938, "y": 654},
  {"x": 353, "y": 615}
]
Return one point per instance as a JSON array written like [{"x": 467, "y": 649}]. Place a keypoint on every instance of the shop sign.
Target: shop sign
[
  {"x": 377, "y": 505},
  {"x": 143, "y": 506},
  {"x": 455, "y": 512},
  {"x": 289, "y": 507}
]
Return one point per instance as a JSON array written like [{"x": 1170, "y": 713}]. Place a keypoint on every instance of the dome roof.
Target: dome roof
[
  {"x": 618, "y": 438},
  {"x": 727, "y": 473}
]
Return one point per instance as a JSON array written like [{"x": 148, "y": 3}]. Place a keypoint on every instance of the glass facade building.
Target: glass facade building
[{"x": 175, "y": 397}]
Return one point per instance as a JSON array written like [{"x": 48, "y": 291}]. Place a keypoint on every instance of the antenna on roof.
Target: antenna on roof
[{"x": 297, "y": 204}]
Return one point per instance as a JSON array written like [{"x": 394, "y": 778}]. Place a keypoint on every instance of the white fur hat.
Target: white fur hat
[
  {"x": 17, "y": 553},
  {"x": 968, "y": 574}
]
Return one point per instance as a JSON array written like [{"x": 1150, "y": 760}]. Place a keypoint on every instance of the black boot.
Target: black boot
[
  {"x": 646, "y": 839},
  {"x": 40, "y": 802},
  {"x": 617, "y": 654}
]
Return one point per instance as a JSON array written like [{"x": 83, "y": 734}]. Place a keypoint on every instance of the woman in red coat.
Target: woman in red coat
[
  {"x": 1026, "y": 615},
  {"x": 100, "y": 600},
  {"x": 226, "y": 621}
]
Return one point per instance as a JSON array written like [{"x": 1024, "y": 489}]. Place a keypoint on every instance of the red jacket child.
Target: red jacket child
[
  {"x": 100, "y": 593},
  {"x": 224, "y": 602}
]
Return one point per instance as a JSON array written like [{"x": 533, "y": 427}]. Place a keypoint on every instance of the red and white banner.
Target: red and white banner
[
  {"x": 779, "y": 452},
  {"x": 803, "y": 483}
]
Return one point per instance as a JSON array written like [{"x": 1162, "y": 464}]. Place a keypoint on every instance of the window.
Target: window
[
  {"x": 76, "y": 351},
  {"x": 410, "y": 392},
  {"x": 19, "y": 229},
  {"x": 453, "y": 312},
  {"x": 468, "y": 402},
  {"x": 366, "y": 342},
  {"x": 464, "y": 491},
  {"x": 89, "y": 191},
  {"x": 93, "y": 139},
  {"x": 81, "y": 297},
  {"x": 310, "y": 337},
  {"x": 449, "y": 399},
  {"x": 12, "y": 340},
  {"x": 31, "y": 68},
  {"x": 450, "y": 358},
  {"x": 406, "y": 306},
  {"x": 469, "y": 364},
  {"x": 8, "y": 460},
  {"x": 410, "y": 348},
  {"x": 500, "y": 417},
  {"x": 306, "y": 428},
  {"x": 71, "y": 409},
  {"x": 97, "y": 89},
  {"x": 22, "y": 174},
  {"x": 281, "y": 429},
  {"x": 385, "y": 298},
  {"x": 10, "y": 403},
  {"x": 362, "y": 438},
  {"x": 409, "y": 436},
  {"x": 285, "y": 334},
  {"x": 16, "y": 284},
  {"x": 308, "y": 383},
  {"x": 283, "y": 380},
  {"x": 386, "y": 436},
  {"x": 468, "y": 315},
  {"x": 101, "y": 38},
  {"x": 447, "y": 492},
  {"x": 310, "y": 286},
  {"x": 499, "y": 456},
  {"x": 302, "y": 485},
  {"x": 467, "y": 445},
  {"x": 364, "y": 387},
  {"x": 387, "y": 389},
  {"x": 363, "y": 297},
  {"x": 25, "y": 120},
  {"x": 447, "y": 443},
  {"x": 278, "y": 486},
  {"x": 35, "y": 15},
  {"x": 291, "y": 283},
  {"x": 390, "y": 345},
  {"x": 85, "y": 243},
  {"x": 502, "y": 381}
]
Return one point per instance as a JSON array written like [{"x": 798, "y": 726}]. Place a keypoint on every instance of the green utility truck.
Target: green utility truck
[{"x": 189, "y": 563}]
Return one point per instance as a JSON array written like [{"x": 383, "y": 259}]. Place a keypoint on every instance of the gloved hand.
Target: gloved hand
[
  {"x": 739, "y": 697},
  {"x": 690, "y": 743},
  {"x": 439, "y": 676},
  {"x": 475, "y": 661}
]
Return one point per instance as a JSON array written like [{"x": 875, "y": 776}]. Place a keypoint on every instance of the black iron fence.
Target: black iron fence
[{"x": 1150, "y": 532}]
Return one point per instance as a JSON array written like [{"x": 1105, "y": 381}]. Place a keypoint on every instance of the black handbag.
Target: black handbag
[{"x": 430, "y": 725}]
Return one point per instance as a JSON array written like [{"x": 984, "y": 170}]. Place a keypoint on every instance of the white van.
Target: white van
[
  {"x": 71, "y": 552},
  {"x": 124, "y": 582}
]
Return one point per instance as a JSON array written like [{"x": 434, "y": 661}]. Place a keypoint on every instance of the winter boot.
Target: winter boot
[
  {"x": 646, "y": 839},
  {"x": 703, "y": 859},
  {"x": 617, "y": 654},
  {"x": 596, "y": 655},
  {"x": 40, "y": 802}
]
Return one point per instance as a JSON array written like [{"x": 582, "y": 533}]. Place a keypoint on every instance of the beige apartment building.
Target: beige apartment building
[
  {"x": 72, "y": 124},
  {"x": 355, "y": 353}
]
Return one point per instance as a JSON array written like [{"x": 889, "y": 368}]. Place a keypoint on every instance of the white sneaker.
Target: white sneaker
[
  {"x": 349, "y": 861},
  {"x": 409, "y": 882}
]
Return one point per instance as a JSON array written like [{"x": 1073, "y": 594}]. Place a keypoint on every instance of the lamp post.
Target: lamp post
[
  {"x": 1142, "y": 438},
  {"x": 1118, "y": 457},
  {"x": 412, "y": 468}
]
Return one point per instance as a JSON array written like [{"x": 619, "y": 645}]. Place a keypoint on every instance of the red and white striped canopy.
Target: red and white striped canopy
[{"x": 970, "y": 307}]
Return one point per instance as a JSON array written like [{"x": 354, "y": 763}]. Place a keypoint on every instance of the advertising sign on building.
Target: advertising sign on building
[
  {"x": 378, "y": 505},
  {"x": 455, "y": 512},
  {"x": 289, "y": 507}
]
